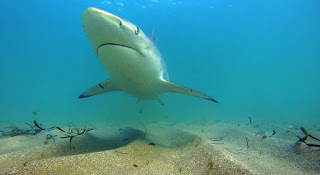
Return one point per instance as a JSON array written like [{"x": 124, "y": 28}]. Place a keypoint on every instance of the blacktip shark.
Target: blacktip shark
[{"x": 130, "y": 57}]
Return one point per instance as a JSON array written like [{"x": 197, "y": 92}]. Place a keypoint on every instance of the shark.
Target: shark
[{"x": 131, "y": 59}]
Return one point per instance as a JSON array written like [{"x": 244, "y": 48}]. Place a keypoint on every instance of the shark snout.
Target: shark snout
[
  {"x": 99, "y": 20},
  {"x": 100, "y": 26},
  {"x": 105, "y": 29}
]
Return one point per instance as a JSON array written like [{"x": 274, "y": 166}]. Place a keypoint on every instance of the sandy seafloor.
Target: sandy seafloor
[{"x": 180, "y": 148}]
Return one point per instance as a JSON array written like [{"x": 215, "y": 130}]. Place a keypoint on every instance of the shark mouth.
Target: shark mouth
[{"x": 115, "y": 44}]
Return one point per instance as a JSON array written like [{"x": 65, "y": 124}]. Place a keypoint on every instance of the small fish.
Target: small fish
[
  {"x": 250, "y": 121},
  {"x": 135, "y": 165},
  {"x": 274, "y": 132},
  {"x": 152, "y": 144},
  {"x": 37, "y": 125},
  {"x": 264, "y": 137},
  {"x": 58, "y": 128}
]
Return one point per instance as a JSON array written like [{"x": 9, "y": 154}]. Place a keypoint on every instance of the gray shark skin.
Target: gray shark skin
[{"x": 129, "y": 56}]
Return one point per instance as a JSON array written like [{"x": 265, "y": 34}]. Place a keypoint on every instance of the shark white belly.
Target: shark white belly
[
  {"x": 129, "y": 56},
  {"x": 139, "y": 77}
]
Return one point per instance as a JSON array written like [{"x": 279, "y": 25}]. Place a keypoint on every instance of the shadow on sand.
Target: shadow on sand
[{"x": 90, "y": 142}]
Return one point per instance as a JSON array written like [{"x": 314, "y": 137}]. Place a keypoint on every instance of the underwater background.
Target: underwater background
[{"x": 257, "y": 58}]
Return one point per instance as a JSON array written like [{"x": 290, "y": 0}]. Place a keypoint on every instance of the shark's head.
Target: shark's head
[{"x": 103, "y": 28}]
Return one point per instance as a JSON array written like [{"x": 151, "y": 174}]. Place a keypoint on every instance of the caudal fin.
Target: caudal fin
[{"x": 171, "y": 87}]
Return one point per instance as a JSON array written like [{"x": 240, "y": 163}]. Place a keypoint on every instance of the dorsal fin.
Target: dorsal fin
[{"x": 152, "y": 36}]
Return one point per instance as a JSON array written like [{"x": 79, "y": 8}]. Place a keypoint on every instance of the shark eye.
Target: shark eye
[
  {"x": 137, "y": 31},
  {"x": 120, "y": 23}
]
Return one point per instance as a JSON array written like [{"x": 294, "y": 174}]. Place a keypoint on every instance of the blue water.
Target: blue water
[{"x": 257, "y": 58}]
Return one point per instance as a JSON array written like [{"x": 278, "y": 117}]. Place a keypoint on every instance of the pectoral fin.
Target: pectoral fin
[
  {"x": 106, "y": 86},
  {"x": 168, "y": 86}
]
